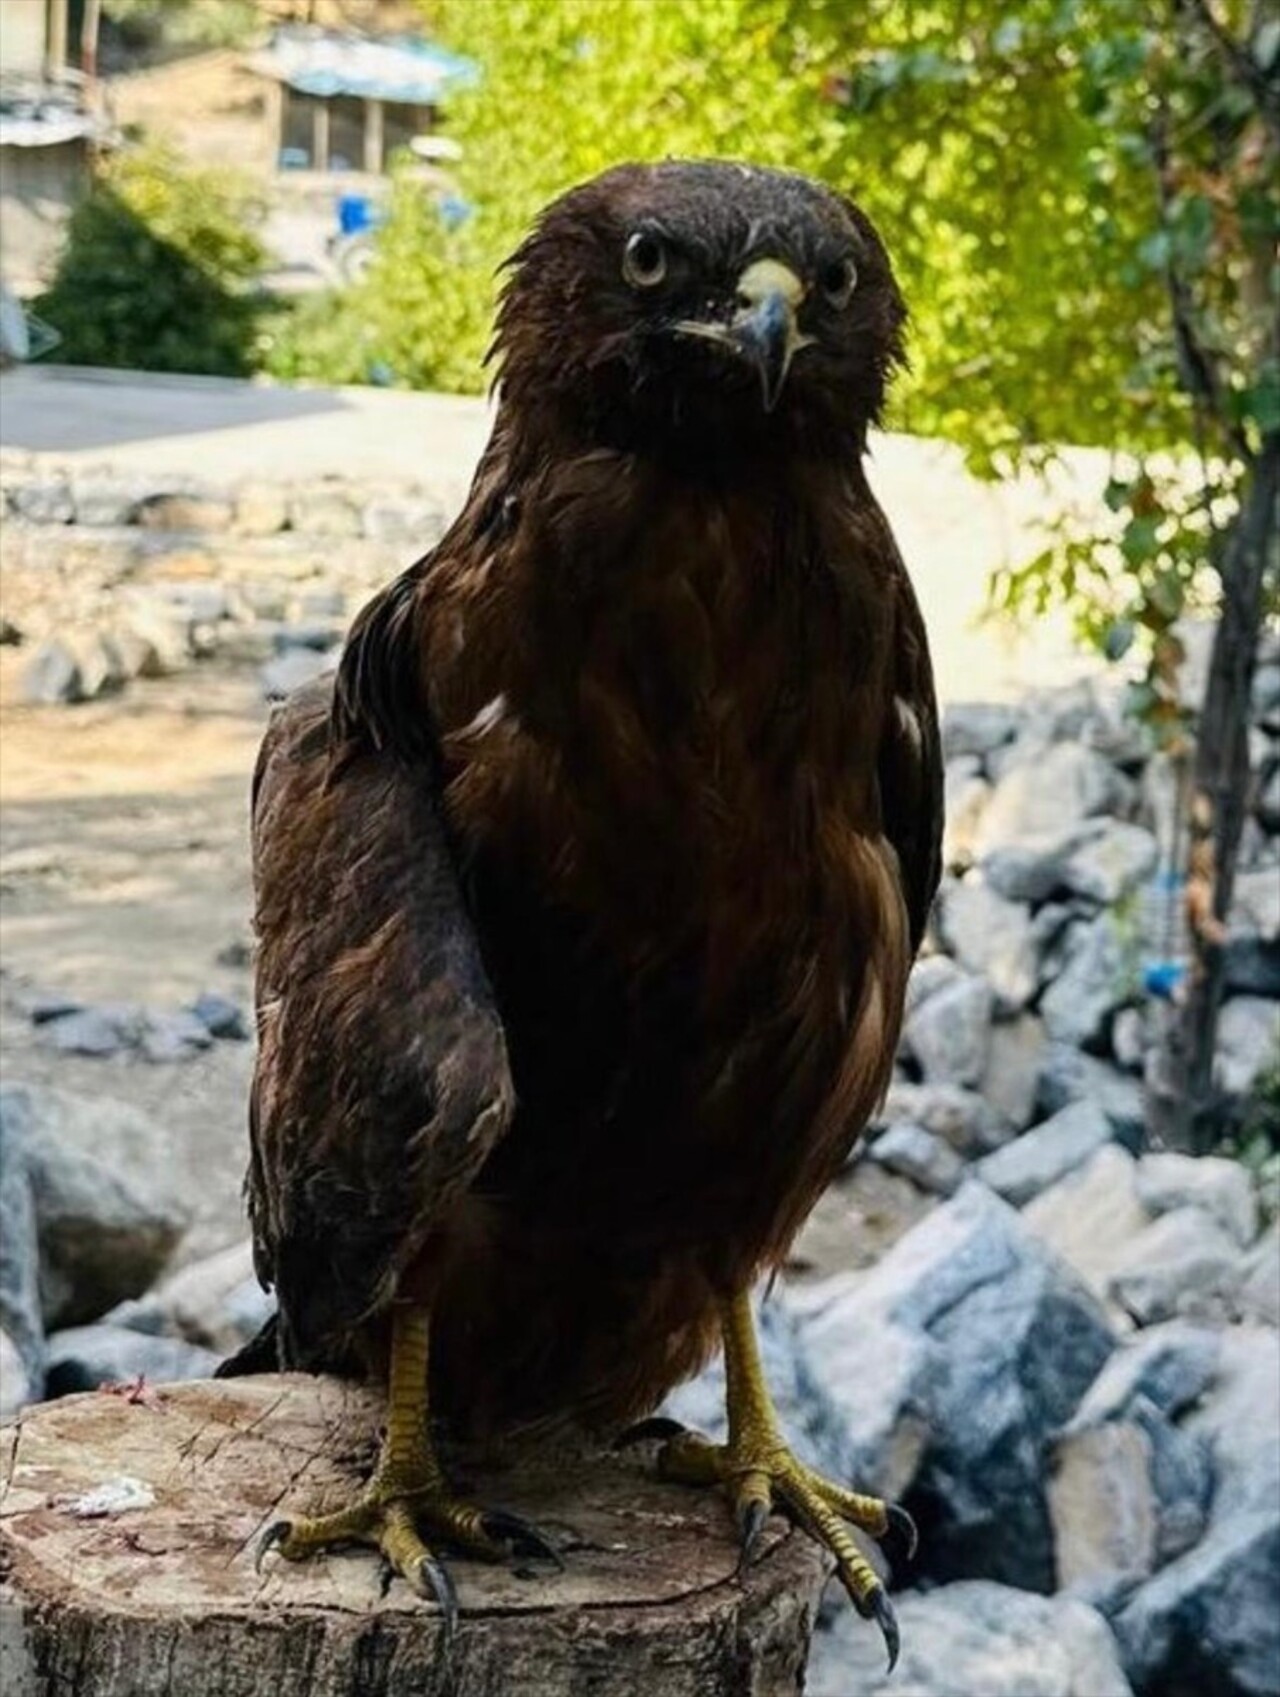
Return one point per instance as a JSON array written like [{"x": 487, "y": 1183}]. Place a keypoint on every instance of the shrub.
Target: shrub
[{"x": 156, "y": 271}]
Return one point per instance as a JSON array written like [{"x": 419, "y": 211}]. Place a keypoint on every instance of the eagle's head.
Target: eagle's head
[{"x": 701, "y": 305}]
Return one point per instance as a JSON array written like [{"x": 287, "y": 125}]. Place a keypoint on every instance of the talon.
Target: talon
[
  {"x": 880, "y": 1609},
  {"x": 751, "y": 1523},
  {"x": 432, "y": 1582},
  {"x": 275, "y": 1534},
  {"x": 656, "y": 1426},
  {"x": 525, "y": 1538},
  {"x": 900, "y": 1535}
]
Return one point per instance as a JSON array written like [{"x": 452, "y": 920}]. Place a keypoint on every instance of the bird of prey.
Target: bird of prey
[{"x": 586, "y": 896}]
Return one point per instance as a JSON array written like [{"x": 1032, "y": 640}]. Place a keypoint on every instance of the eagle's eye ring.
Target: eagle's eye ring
[
  {"x": 644, "y": 260},
  {"x": 837, "y": 279}
]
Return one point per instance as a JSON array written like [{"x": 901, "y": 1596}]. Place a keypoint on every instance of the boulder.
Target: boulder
[
  {"x": 1094, "y": 981},
  {"x": 1255, "y": 903},
  {"x": 961, "y": 1116},
  {"x": 261, "y": 509},
  {"x": 1001, "y": 1343},
  {"x": 1015, "y": 1057},
  {"x": 106, "y": 1218},
  {"x": 215, "y": 1302},
  {"x": 1030, "y": 869},
  {"x": 1126, "y": 1495},
  {"x": 172, "y": 1036},
  {"x": 220, "y": 1016},
  {"x": 20, "y": 1317},
  {"x": 320, "y": 636},
  {"x": 43, "y": 500},
  {"x": 1207, "y": 1625},
  {"x": 1240, "y": 1417},
  {"x": 1260, "y": 1287},
  {"x": 991, "y": 937},
  {"x": 404, "y": 519},
  {"x": 1129, "y": 1040},
  {"x": 189, "y": 509},
  {"x": 1181, "y": 1264},
  {"x": 1251, "y": 967},
  {"x": 1067, "y": 1075},
  {"x": 1248, "y": 1041},
  {"x": 1110, "y": 864},
  {"x": 928, "y": 975},
  {"x": 922, "y": 1156},
  {"x": 975, "y": 728},
  {"x": 102, "y": 667},
  {"x": 1169, "y": 1366},
  {"x": 973, "y": 1638},
  {"x": 82, "y": 1358},
  {"x": 280, "y": 677},
  {"x": 1046, "y": 1153},
  {"x": 18, "y": 1386},
  {"x": 949, "y": 1032},
  {"x": 1091, "y": 1215},
  {"x": 966, "y": 793},
  {"x": 52, "y": 676},
  {"x": 1222, "y": 1188},
  {"x": 1047, "y": 796}
]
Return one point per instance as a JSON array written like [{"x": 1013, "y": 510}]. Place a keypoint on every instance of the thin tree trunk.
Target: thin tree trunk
[{"x": 1183, "y": 1107}]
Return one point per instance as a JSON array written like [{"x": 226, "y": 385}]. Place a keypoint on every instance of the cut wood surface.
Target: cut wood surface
[{"x": 128, "y": 1526}]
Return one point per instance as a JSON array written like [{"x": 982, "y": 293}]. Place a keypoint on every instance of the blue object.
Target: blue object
[
  {"x": 355, "y": 213},
  {"x": 455, "y": 209},
  {"x": 1162, "y": 977}
]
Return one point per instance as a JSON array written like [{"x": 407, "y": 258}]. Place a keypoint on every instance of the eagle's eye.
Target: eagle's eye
[
  {"x": 644, "y": 260},
  {"x": 837, "y": 279}
]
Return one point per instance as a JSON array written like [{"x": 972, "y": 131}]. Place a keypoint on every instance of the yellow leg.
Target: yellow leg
[
  {"x": 408, "y": 1490},
  {"x": 759, "y": 1472}
]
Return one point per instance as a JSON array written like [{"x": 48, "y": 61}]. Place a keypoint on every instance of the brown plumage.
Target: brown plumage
[{"x": 586, "y": 909}]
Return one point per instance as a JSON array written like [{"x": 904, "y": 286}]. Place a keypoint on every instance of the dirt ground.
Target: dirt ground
[{"x": 124, "y": 877}]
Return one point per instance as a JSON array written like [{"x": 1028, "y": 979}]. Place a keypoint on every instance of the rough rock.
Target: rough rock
[
  {"x": 1255, "y": 903},
  {"x": 991, "y": 937},
  {"x": 1044, "y": 797},
  {"x": 102, "y": 668},
  {"x": 83, "y": 1357},
  {"x": 1094, "y": 982},
  {"x": 215, "y": 1302},
  {"x": 1240, "y": 1416},
  {"x": 1030, "y": 870},
  {"x": 1046, "y": 1153},
  {"x": 220, "y": 1016},
  {"x": 99, "y": 1031},
  {"x": 172, "y": 1036},
  {"x": 185, "y": 510},
  {"x": 280, "y": 677},
  {"x": 1126, "y": 1496},
  {"x": 1267, "y": 805},
  {"x": 1129, "y": 1040},
  {"x": 105, "y": 1216},
  {"x": 420, "y": 521},
  {"x": 52, "y": 676},
  {"x": 949, "y": 1032},
  {"x": 992, "y": 1342},
  {"x": 922, "y": 1156},
  {"x": 1067, "y": 1075},
  {"x": 261, "y": 509},
  {"x": 102, "y": 499},
  {"x": 1169, "y": 1366},
  {"x": 969, "y": 1638},
  {"x": 928, "y": 975},
  {"x": 1183, "y": 1263},
  {"x": 1248, "y": 1041},
  {"x": 963, "y": 1117},
  {"x": 20, "y": 1316},
  {"x": 966, "y": 793},
  {"x": 1222, "y": 1188},
  {"x": 324, "y": 513},
  {"x": 1251, "y": 967},
  {"x": 1207, "y": 1625},
  {"x": 45, "y": 500},
  {"x": 1260, "y": 1287},
  {"x": 1015, "y": 1056},
  {"x": 320, "y": 637},
  {"x": 330, "y": 603},
  {"x": 17, "y": 1385},
  {"x": 1108, "y": 865},
  {"x": 975, "y": 728},
  {"x": 1091, "y": 1216}
]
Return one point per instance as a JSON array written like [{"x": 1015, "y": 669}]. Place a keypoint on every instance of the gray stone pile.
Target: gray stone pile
[
  {"x": 105, "y": 1029},
  {"x": 88, "y": 1224}
]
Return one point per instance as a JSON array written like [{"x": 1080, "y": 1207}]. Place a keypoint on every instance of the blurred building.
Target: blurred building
[{"x": 344, "y": 102}]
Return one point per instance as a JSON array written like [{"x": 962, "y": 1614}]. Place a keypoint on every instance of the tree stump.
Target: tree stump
[{"x": 129, "y": 1520}]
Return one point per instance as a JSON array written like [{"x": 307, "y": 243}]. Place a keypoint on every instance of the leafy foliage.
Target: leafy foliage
[{"x": 156, "y": 270}]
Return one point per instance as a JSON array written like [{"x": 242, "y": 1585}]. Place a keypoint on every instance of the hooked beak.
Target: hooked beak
[{"x": 764, "y": 330}]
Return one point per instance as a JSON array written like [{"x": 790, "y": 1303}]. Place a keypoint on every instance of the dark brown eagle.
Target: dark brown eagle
[{"x": 586, "y": 900}]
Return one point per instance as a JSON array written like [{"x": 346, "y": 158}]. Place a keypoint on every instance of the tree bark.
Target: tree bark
[
  {"x": 160, "y": 1599},
  {"x": 1182, "y": 1099}
]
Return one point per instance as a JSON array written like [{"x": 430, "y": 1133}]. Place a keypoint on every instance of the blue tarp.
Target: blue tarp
[{"x": 401, "y": 69}]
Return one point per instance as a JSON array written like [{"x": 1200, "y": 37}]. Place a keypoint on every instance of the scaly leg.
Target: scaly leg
[
  {"x": 759, "y": 1472},
  {"x": 408, "y": 1490}
]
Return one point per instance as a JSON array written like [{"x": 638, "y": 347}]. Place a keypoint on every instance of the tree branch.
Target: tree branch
[{"x": 1261, "y": 83}]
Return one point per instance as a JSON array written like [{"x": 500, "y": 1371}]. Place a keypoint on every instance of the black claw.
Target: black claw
[
  {"x": 880, "y": 1609},
  {"x": 434, "y": 1582},
  {"x": 525, "y": 1539},
  {"x": 751, "y": 1523},
  {"x": 275, "y": 1534},
  {"x": 386, "y": 1573},
  {"x": 656, "y": 1426},
  {"x": 901, "y": 1539}
]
